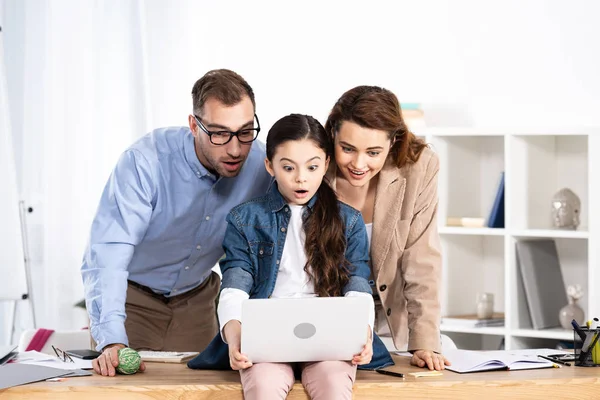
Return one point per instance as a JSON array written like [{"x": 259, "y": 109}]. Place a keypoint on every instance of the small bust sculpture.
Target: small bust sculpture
[{"x": 566, "y": 207}]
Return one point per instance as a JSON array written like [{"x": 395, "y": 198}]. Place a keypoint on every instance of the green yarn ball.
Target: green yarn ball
[{"x": 129, "y": 361}]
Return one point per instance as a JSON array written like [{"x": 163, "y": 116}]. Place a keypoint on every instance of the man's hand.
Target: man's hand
[
  {"x": 233, "y": 335},
  {"x": 106, "y": 362},
  {"x": 365, "y": 356},
  {"x": 432, "y": 360}
]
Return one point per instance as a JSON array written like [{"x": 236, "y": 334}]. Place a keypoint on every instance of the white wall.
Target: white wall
[
  {"x": 483, "y": 63},
  {"x": 478, "y": 62}
]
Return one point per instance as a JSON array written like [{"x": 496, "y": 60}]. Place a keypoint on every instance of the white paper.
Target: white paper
[{"x": 45, "y": 360}]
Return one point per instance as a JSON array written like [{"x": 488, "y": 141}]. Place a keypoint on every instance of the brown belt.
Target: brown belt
[{"x": 162, "y": 297}]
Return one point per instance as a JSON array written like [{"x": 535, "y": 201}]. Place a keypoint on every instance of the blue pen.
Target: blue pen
[{"x": 577, "y": 328}]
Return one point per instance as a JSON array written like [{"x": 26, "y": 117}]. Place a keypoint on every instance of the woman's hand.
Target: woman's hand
[
  {"x": 233, "y": 335},
  {"x": 432, "y": 360},
  {"x": 364, "y": 357}
]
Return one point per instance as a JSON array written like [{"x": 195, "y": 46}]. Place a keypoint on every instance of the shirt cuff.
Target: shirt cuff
[
  {"x": 109, "y": 333},
  {"x": 230, "y": 307},
  {"x": 352, "y": 293}
]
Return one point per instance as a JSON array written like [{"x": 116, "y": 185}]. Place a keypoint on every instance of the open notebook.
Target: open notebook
[{"x": 464, "y": 361}]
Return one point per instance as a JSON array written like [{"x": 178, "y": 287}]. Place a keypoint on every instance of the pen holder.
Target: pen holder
[{"x": 587, "y": 350}]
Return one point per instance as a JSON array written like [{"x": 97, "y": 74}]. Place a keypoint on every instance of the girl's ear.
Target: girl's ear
[
  {"x": 269, "y": 167},
  {"x": 327, "y": 163}
]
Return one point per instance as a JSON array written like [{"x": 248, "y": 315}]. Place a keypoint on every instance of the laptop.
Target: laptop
[{"x": 304, "y": 329}]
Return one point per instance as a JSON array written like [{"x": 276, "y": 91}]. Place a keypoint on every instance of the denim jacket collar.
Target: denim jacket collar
[{"x": 277, "y": 202}]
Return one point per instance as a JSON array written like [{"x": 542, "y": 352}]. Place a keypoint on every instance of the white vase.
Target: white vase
[{"x": 570, "y": 312}]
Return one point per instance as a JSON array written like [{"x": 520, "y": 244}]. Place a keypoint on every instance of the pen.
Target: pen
[
  {"x": 390, "y": 373},
  {"x": 578, "y": 329},
  {"x": 555, "y": 360}
]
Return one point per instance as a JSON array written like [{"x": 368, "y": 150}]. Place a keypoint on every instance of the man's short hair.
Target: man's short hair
[{"x": 222, "y": 84}]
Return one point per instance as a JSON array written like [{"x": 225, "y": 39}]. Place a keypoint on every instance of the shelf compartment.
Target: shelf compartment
[
  {"x": 470, "y": 171},
  {"x": 542, "y": 165},
  {"x": 471, "y": 265}
]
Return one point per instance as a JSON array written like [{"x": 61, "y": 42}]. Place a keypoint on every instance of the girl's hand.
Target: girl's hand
[
  {"x": 367, "y": 353},
  {"x": 432, "y": 360},
  {"x": 233, "y": 334},
  {"x": 238, "y": 360}
]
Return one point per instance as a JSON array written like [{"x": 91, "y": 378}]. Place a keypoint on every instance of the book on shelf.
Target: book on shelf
[
  {"x": 496, "y": 218},
  {"x": 413, "y": 115},
  {"x": 467, "y": 222},
  {"x": 543, "y": 283},
  {"x": 471, "y": 321},
  {"x": 465, "y": 361}
]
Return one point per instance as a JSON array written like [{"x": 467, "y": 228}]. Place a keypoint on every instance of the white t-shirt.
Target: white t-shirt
[{"x": 369, "y": 232}]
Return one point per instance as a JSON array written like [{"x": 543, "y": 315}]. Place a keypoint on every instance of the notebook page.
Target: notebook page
[{"x": 472, "y": 361}]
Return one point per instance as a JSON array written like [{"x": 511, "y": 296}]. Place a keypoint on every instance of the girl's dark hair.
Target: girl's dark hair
[
  {"x": 324, "y": 228},
  {"x": 374, "y": 107}
]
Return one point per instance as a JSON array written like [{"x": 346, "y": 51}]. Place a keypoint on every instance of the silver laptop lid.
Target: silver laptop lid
[{"x": 304, "y": 329}]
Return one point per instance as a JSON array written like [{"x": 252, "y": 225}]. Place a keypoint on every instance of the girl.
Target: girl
[{"x": 296, "y": 241}]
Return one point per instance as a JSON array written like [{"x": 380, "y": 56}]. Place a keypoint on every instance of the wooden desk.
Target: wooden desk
[{"x": 176, "y": 381}]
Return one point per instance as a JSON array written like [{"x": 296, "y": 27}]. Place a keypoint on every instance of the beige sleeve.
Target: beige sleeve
[{"x": 421, "y": 266}]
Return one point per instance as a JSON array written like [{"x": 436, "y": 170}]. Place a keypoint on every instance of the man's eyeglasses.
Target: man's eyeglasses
[
  {"x": 245, "y": 135},
  {"x": 64, "y": 357}
]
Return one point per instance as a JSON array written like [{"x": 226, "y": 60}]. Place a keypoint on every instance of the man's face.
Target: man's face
[{"x": 224, "y": 160}]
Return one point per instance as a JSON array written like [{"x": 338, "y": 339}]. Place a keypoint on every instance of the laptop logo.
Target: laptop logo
[{"x": 305, "y": 330}]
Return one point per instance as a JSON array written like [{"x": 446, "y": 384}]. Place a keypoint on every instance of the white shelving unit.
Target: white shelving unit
[{"x": 537, "y": 163}]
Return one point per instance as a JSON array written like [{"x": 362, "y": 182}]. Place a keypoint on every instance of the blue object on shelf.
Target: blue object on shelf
[{"x": 496, "y": 219}]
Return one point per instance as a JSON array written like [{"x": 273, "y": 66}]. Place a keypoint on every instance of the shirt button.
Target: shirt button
[
  {"x": 282, "y": 229},
  {"x": 389, "y": 312},
  {"x": 174, "y": 290},
  {"x": 207, "y": 217},
  {"x": 187, "y": 267},
  {"x": 277, "y": 262},
  {"x": 198, "y": 247},
  {"x": 382, "y": 288},
  {"x": 261, "y": 252}
]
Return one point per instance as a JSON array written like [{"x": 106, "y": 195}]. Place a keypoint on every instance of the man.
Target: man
[{"x": 161, "y": 220}]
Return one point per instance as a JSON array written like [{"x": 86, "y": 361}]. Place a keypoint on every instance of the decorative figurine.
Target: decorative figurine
[{"x": 566, "y": 208}]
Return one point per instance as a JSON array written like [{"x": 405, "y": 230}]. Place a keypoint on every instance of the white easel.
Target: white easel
[{"x": 29, "y": 295}]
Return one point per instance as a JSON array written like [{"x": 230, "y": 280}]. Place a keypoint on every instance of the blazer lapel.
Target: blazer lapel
[{"x": 388, "y": 203}]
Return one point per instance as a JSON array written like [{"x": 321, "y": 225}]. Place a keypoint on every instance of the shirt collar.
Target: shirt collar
[
  {"x": 277, "y": 201},
  {"x": 192, "y": 158}
]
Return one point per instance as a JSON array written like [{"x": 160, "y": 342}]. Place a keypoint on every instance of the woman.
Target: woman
[{"x": 388, "y": 174}]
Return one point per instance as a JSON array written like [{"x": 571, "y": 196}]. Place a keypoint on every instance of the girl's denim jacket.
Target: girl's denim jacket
[{"x": 253, "y": 243}]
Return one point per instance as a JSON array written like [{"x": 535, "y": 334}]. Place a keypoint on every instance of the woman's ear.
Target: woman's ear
[{"x": 269, "y": 167}]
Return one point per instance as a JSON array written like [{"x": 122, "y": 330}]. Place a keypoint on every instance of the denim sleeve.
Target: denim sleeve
[
  {"x": 357, "y": 254},
  {"x": 119, "y": 225},
  {"x": 237, "y": 267}
]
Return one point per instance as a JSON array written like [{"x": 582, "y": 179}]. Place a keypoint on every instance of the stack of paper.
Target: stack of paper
[{"x": 32, "y": 366}]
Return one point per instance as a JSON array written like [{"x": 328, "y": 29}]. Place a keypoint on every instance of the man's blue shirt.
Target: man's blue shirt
[{"x": 160, "y": 223}]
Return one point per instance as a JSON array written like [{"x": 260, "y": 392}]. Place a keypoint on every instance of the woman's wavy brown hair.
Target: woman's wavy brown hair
[
  {"x": 374, "y": 107},
  {"x": 325, "y": 244}
]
